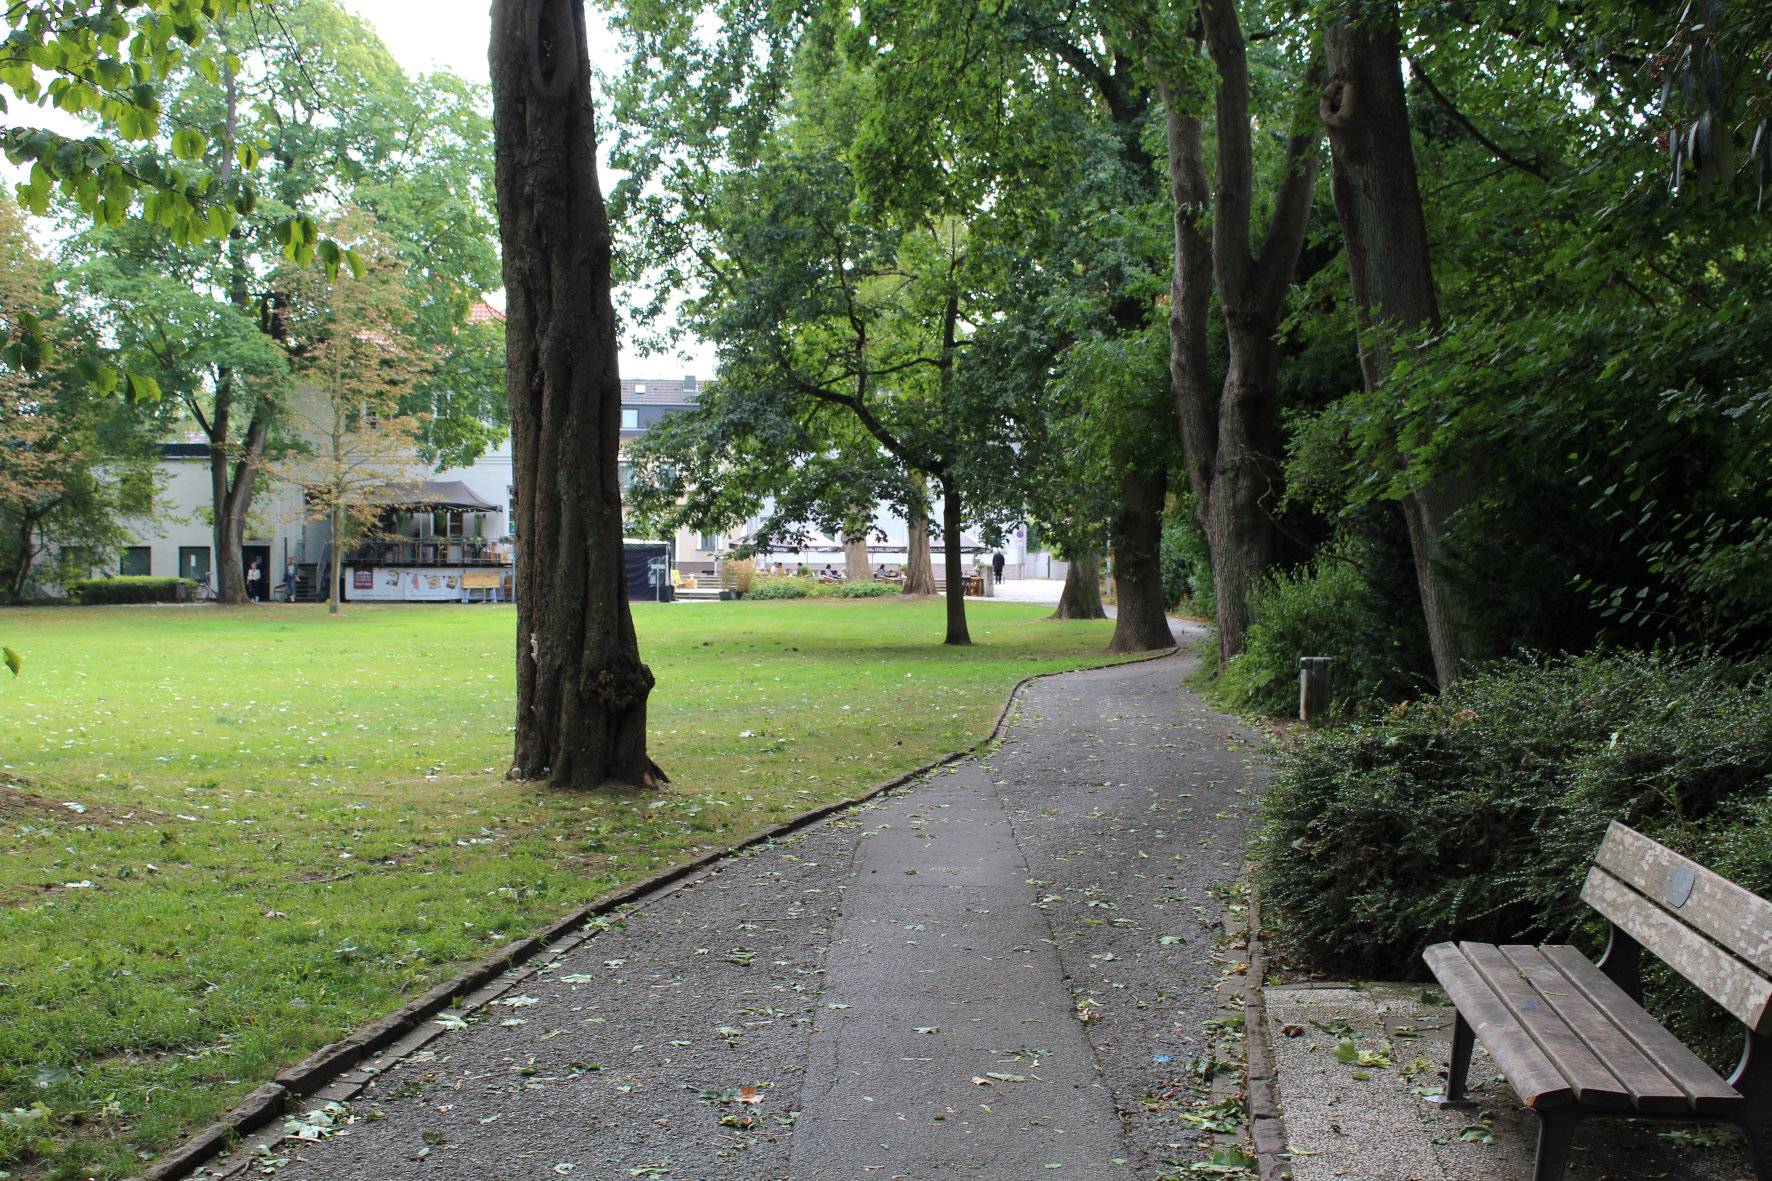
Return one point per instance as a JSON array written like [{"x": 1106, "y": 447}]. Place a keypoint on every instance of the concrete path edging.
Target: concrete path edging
[
  {"x": 270, "y": 1101},
  {"x": 1267, "y": 1124}
]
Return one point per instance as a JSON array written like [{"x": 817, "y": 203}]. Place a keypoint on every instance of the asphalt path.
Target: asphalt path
[{"x": 1001, "y": 972}]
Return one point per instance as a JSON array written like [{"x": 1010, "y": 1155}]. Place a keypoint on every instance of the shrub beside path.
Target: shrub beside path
[{"x": 1000, "y": 972}]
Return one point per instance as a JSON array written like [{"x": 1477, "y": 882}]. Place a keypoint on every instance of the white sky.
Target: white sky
[{"x": 453, "y": 35}]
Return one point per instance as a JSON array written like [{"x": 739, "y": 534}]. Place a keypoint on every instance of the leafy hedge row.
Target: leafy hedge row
[
  {"x": 131, "y": 588},
  {"x": 1476, "y": 814},
  {"x": 810, "y": 588}
]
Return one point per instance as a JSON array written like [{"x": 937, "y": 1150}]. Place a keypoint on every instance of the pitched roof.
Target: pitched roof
[
  {"x": 653, "y": 391},
  {"x": 484, "y": 313}
]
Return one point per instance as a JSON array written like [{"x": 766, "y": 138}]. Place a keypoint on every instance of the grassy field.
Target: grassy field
[{"x": 229, "y": 837}]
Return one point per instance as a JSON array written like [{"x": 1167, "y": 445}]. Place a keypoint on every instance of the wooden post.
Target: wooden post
[{"x": 1313, "y": 688}]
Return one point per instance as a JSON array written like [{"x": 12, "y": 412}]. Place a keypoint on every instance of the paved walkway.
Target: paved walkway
[
  {"x": 1029, "y": 590},
  {"x": 999, "y": 973}
]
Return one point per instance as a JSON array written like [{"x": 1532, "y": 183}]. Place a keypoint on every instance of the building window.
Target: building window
[
  {"x": 630, "y": 418},
  {"x": 710, "y": 542},
  {"x": 627, "y": 475},
  {"x": 136, "y": 559},
  {"x": 640, "y": 388},
  {"x": 193, "y": 562}
]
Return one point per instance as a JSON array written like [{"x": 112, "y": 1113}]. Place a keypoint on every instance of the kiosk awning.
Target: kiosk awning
[{"x": 433, "y": 495}]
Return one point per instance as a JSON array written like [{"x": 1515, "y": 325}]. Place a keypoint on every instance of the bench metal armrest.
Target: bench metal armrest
[{"x": 1623, "y": 963}]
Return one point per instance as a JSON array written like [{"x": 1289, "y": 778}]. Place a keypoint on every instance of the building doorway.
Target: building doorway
[{"x": 261, "y": 590}]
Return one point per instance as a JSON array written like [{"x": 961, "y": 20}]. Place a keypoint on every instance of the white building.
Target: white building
[
  {"x": 449, "y": 532},
  {"x": 450, "y": 529}
]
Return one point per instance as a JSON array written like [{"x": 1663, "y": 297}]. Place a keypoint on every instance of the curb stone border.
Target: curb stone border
[
  {"x": 331, "y": 1064},
  {"x": 1267, "y": 1125}
]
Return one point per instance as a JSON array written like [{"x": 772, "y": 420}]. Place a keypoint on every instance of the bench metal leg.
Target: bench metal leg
[
  {"x": 1463, "y": 1042},
  {"x": 1556, "y": 1130},
  {"x": 1753, "y": 1078}
]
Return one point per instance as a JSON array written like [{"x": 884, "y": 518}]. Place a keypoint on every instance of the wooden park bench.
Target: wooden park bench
[{"x": 1572, "y": 1037}]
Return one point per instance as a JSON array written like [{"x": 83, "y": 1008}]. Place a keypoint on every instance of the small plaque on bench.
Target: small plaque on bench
[{"x": 1679, "y": 887}]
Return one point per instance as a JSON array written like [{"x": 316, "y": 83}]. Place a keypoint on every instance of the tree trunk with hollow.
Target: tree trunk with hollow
[
  {"x": 1140, "y": 622},
  {"x": 919, "y": 568},
  {"x": 951, "y": 521},
  {"x": 1378, "y": 200},
  {"x": 1081, "y": 596},
  {"x": 581, "y": 686}
]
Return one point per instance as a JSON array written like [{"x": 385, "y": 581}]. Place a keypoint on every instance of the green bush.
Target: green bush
[
  {"x": 1475, "y": 815},
  {"x": 783, "y": 588},
  {"x": 1185, "y": 562},
  {"x": 1325, "y": 609},
  {"x": 863, "y": 590},
  {"x": 131, "y": 588},
  {"x": 802, "y": 587}
]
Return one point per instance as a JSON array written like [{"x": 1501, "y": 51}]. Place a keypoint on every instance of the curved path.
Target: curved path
[{"x": 1000, "y": 972}]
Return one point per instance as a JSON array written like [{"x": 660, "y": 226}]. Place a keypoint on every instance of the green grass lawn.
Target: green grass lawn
[{"x": 229, "y": 837}]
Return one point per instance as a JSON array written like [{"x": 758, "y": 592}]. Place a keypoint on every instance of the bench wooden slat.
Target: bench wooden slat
[
  {"x": 1722, "y": 977},
  {"x": 1533, "y": 1076},
  {"x": 1710, "y": 1095},
  {"x": 1651, "y": 1090},
  {"x": 1595, "y": 1086},
  {"x": 1736, "y": 918}
]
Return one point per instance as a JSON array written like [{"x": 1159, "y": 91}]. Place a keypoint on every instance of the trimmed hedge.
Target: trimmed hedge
[
  {"x": 1475, "y": 815},
  {"x": 798, "y": 587},
  {"x": 131, "y": 588},
  {"x": 863, "y": 590}
]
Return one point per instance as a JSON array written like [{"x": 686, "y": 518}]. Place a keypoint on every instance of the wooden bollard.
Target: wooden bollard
[{"x": 1313, "y": 688}]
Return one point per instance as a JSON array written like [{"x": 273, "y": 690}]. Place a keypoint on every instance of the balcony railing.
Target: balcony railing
[{"x": 430, "y": 551}]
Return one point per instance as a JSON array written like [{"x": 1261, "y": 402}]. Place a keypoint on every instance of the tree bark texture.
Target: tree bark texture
[
  {"x": 919, "y": 569},
  {"x": 857, "y": 566},
  {"x": 1378, "y": 200},
  {"x": 1081, "y": 596},
  {"x": 951, "y": 524},
  {"x": 231, "y": 483},
  {"x": 581, "y": 686},
  {"x": 1140, "y": 623},
  {"x": 1230, "y": 436}
]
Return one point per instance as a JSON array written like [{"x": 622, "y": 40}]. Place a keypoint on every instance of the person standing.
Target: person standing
[
  {"x": 289, "y": 578},
  {"x": 997, "y": 566},
  {"x": 255, "y": 579}
]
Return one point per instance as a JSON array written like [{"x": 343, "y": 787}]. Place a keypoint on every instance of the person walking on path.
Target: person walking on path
[
  {"x": 997, "y": 566},
  {"x": 255, "y": 582},
  {"x": 938, "y": 987},
  {"x": 289, "y": 579}
]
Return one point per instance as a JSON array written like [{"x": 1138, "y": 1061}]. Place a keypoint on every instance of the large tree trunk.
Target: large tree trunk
[
  {"x": 1081, "y": 596},
  {"x": 857, "y": 567},
  {"x": 1140, "y": 623},
  {"x": 581, "y": 686},
  {"x": 1378, "y": 201},
  {"x": 1230, "y": 435},
  {"x": 232, "y": 488},
  {"x": 919, "y": 568},
  {"x": 956, "y": 575}
]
